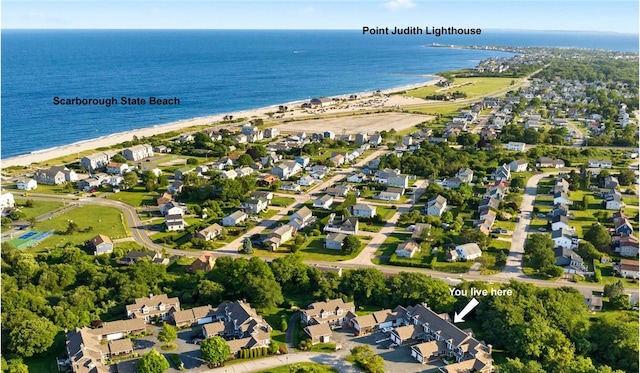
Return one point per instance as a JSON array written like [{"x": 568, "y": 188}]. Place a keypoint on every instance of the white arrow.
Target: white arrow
[{"x": 470, "y": 306}]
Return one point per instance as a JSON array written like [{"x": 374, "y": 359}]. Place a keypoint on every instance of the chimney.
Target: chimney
[{"x": 490, "y": 347}]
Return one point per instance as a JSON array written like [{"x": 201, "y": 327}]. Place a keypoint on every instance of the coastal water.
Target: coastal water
[{"x": 216, "y": 72}]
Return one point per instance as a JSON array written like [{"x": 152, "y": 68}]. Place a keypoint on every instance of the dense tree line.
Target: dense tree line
[
  {"x": 593, "y": 70},
  {"x": 67, "y": 288}
]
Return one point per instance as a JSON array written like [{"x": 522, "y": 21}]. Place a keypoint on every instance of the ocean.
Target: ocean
[{"x": 217, "y": 72}]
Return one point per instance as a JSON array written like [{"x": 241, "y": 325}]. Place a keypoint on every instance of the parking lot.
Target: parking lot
[
  {"x": 188, "y": 351},
  {"x": 397, "y": 359}
]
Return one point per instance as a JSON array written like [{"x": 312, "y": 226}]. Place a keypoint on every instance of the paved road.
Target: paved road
[{"x": 513, "y": 268}]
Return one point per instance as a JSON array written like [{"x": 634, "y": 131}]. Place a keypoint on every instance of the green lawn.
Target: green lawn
[
  {"x": 39, "y": 208},
  {"x": 135, "y": 197},
  {"x": 46, "y": 363},
  {"x": 267, "y": 214},
  {"x": 471, "y": 86},
  {"x": 103, "y": 220},
  {"x": 274, "y": 316},
  {"x": 282, "y": 201},
  {"x": 315, "y": 367},
  {"x": 389, "y": 245},
  {"x": 314, "y": 249}
]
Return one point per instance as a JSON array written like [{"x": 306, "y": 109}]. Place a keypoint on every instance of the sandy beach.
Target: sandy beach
[{"x": 364, "y": 101}]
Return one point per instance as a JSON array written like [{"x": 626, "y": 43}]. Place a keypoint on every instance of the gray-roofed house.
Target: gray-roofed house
[
  {"x": 234, "y": 219},
  {"x": 342, "y": 224},
  {"x": 147, "y": 308},
  {"x": 334, "y": 241},
  {"x": 362, "y": 210},
  {"x": 210, "y": 232},
  {"x": 569, "y": 260},
  {"x": 407, "y": 249},
  {"x": 436, "y": 206},
  {"x": 469, "y": 251},
  {"x": 302, "y": 218}
]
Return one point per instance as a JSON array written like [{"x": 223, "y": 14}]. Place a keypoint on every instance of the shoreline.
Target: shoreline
[{"x": 42, "y": 155}]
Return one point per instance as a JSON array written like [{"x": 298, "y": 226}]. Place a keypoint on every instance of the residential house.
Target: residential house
[
  {"x": 175, "y": 187},
  {"x": 319, "y": 171},
  {"x": 96, "y": 161},
  {"x": 377, "y": 320},
  {"x": 234, "y": 219},
  {"x": 334, "y": 241},
  {"x": 613, "y": 201},
  {"x": 388, "y": 196},
  {"x": 407, "y": 249},
  {"x": 239, "y": 325},
  {"x": 594, "y": 302},
  {"x": 611, "y": 182},
  {"x": 174, "y": 222},
  {"x": 306, "y": 181},
  {"x": 519, "y": 165},
  {"x": 115, "y": 168},
  {"x": 599, "y": 163},
  {"x": 255, "y": 206},
  {"x": 342, "y": 224},
  {"x": 171, "y": 208},
  {"x": 375, "y": 139},
  {"x": 179, "y": 173},
  {"x": 337, "y": 159},
  {"x": 161, "y": 149},
  {"x": 286, "y": 169},
  {"x": 271, "y": 133},
  {"x": 262, "y": 194},
  {"x": 319, "y": 333},
  {"x": 622, "y": 226},
  {"x": 302, "y": 160},
  {"x": 565, "y": 239},
  {"x": 100, "y": 244},
  {"x": 148, "y": 308},
  {"x": 332, "y": 312},
  {"x": 320, "y": 101},
  {"x": 561, "y": 198},
  {"x": 209, "y": 233},
  {"x": 549, "y": 162},
  {"x": 382, "y": 176},
  {"x": 436, "y": 206},
  {"x": 204, "y": 262},
  {"x": 628, "y": 246},
  {"x": 138, "y": 152},
  {"x": 569, "y": 260},
  {"x": 361, "y": 138},
  {"x": 469, "y": 251},
  {"x": 357, "y": 178},
  {"x": 266, "y": 180},
  {"x": 559, "y": 209},
  {"x": 26, "y": 184},
  {"x": 421, "y": 231},
  {"x": 488, "y": 203},
  {"x": 290, "y": 187},
  {"x": 323, "y": 202},
  {"x": 405, "y": 334},
  {"x": 502, "y": 173},
  {"x": 302, "y": 218},
  {"x": 151, "y": 167},
  {"x": 193, "y": 317},
  {"x": 562, "y": 185},
  {"x": 55, "y": 175},
  {"x": 560, "y": 222},
  {"x": 400, "y": 181},
  {"x": 362, "y": 210},
  {"x": 627, "y": 268},
  {"x": 452, "y": 182},
  {"x": 228, "y": 174},
  {"x": 516, "y": 146},
  {"x": 279, "y": 236}
]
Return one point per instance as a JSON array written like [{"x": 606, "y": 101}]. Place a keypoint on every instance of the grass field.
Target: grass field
[
  {"x": 282, "y": 201},
  {"x": 39, "y": 208},
  {"x": 473, "y": 87},
  {"x": 135, "y": 197},
  {"x": 103, "y": 220},
  {"x": 308, "y": 367}
]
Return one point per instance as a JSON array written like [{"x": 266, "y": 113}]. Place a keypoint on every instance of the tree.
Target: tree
[
  {"x": 152, "y": 362},
  {"x": 587, "y": 251},
  {"x": 517, "y": 182},
  {"x": 283, "y": 324},
  {"x": 15, "y": 365},
  {"x": 32, "y": 336},
  {"x": 626, "y": 177},
  {"x": 168, "y": 333},
  {"x": 119, "y": 158},
  {"x": 245, "y": 160},
  {"x": 129, "y": 180},
  {"x": 351, "y": 244},
  {"x": 247, "y": 246},
  {"x": 614, "y": 290},
  {"x": 215, "y": 350},
  {"x": 598, "y": 236}
]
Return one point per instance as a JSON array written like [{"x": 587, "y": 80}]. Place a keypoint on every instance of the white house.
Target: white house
[
  {"x": 228, "y": 174},
  {"x": 235, "y": 218},
  {"x": 286, "y": 169},
  {"x": 388, "y": 196},
  {"x": 138, "y": 152},
  {"x": 363, "y": 210},
  {"x": 565, "y": 238},
  {"x": 516, "y": 146},
  {"x": 599, "y": 163},
  {"x": 469, "y": 251},
  {"x": 407, "y": 249},
  {"x": 301, "y": 218},
  {"x": 174, "y": 222},
  {"x": 306, "y": 181},
  {"x": 323, "y": 202},
  {"x": 628, "y": 268},
  {"x": 401, "y": 181},
  {"x": 519, "y": 165},
  {"x": 436, "y": 206},
  {"x": 27, "y": 184},
  {"x": 560, "y": 222},
  {"x": 171, "y": 208},
  {"x": 334, "y": 241},
  {"x": 6, "y": 200},
  {"x": 465, "y": 175}
]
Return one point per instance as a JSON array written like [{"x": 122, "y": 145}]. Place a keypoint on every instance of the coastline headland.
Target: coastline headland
[{"x": 43, "y": 155}]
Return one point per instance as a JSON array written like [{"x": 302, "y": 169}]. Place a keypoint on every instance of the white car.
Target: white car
[{"x": 387, "y": 329}]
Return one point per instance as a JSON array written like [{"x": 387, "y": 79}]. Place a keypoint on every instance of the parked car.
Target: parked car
[{"x": 542, "y": 229}]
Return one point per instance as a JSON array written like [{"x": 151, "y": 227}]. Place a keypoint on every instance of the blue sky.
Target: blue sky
[{"x": 612, "y": 15}]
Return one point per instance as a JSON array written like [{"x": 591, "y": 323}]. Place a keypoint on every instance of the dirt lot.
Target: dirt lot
[{"x": 362, "y": 123}]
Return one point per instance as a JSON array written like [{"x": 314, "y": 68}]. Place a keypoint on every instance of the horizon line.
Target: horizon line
[{"x": 296, "y": 29}]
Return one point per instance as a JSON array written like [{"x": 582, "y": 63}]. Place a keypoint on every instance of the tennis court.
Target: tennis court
[{"x": 30, "y": 239}]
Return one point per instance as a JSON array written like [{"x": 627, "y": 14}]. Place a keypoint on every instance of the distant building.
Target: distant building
[
  {"x": 100, "y": 244},
  {"x": 138, "y": 152},
  {"x": 147, "y": 308},
  {"x": 26, "y": 184}
]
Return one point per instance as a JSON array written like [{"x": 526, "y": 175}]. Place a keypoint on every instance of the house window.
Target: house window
[{"x": 339, "y": 312}]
